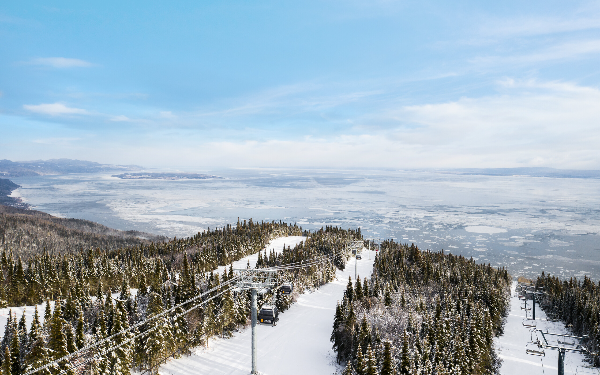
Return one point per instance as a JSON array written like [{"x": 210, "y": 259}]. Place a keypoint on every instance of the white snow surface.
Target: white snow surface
[
  {"x": 276, "y": 244},
  {"x": 517, "y": 338},
  {"x": 299, "y": 344}
]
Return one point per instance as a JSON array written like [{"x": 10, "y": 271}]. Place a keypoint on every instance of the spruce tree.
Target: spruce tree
[
  {"x": 180, "y": 330},
  {"x": 159, "y": 342},
  {"x": 47, "y": 316},
  {"x": 371, "y": 362},
  {"x": 38, "y": 354},
  {"x": 387, "y": 367},
  {"x": 79, "y": 331},
  {"x": 57, "y": 340},
  {"x": 15, "y": 360},
  {"x": 6, "y": 364},
  {"x": 405, "y": 357},
  {"x": 120, "y": 361},
  {"x": 348, "y": 370},
  {"x": 360, "y": 367}
]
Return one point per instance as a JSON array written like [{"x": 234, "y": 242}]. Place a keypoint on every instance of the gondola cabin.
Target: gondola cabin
[
  {"x": 287, "y": 288},
  {"x": 268, "y": 315}
]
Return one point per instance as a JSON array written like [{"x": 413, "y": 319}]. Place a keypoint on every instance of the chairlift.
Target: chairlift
[
  {"x": 287, "y": 288},
  {"x": 540, "y": 353},
  {"x": 268, "y": 314}
]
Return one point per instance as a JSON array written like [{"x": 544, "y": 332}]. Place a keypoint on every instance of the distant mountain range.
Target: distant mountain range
[
  {"x": 10, "y": 168},
  {"x": 527, "y": 171}
]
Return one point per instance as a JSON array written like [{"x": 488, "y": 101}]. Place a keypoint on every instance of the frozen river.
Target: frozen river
[{"x": 528, "y": 224}]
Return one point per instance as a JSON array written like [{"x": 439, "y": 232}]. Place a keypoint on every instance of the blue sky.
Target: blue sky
[{"x": 387, "y": 84}]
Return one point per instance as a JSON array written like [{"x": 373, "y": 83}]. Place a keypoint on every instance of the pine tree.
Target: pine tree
[
  {"x": 57, "y": 340},
  {"x": 79, "y": 331},
  {"x": 15, "y": 345},
  {"x": 371, "y": 365},
  {"x": 348, "y": 370},
  {"x": 358, "y": 290},
  {"x": 47, "y": 316},
  {"x": 38, "y": 354},
  {"x": 102, "y": 364},
  {"x": 120, "y": 361},
  {"x": 349, "y": 293},
  {"x": 160, "y": 341},
  {"x": 360, "y": 362},
  {"x": 387, "y": 367},
  {"x": 180, "y": 330},
  {"x": 6, "y": 364},
  {"x": 405, "y": 357},
  {"x": 226, "y": 316}
]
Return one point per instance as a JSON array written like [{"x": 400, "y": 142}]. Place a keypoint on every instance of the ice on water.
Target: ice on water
[{"x": 527, "y": 224}]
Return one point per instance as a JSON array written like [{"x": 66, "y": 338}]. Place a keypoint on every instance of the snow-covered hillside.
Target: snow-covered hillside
[
  {"x": 517, "y": 338},
  {"x": 299, "y": 344}
]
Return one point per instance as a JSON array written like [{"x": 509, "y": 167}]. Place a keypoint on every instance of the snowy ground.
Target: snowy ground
[
  {"x": 29, "y": 312},
  {"x": 276, "y": 244},
  {"x": 511, "y": 346},
  {"x": 299, "y": 344}
]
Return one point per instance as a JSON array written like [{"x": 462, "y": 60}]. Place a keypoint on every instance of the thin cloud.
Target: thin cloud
[
  {"x": 564, "y": 51},
  {"x": 55, "y": 109},
  {"x": 61, "y": 62},
  {"x": 120, "y": 118},
  {"x": 56, "y": 141},
  {"x": 167, "y": 115},
  {"x": 533, "y": 26}
]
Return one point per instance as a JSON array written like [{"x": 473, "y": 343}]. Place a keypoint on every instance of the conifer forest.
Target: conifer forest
[
  {"x": 421, "y": 313},
  {"x": 577, "y": 304},
  {"x": 120, "y": 304},
  {"x": 107, "y": 309}
]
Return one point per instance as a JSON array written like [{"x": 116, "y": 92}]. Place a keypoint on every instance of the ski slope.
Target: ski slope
[
  {"x": 516, "y": 338},
  {"x": 299, "y": 344}
]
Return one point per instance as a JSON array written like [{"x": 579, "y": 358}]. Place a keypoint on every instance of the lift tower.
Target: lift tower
[{"x": 258, "y": 281}]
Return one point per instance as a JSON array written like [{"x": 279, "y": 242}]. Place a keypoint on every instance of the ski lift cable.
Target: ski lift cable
[
  {"x": 141, "y": 334},
  {"x": 108, "y": 350},
  {"x": 82, "y": 350}
]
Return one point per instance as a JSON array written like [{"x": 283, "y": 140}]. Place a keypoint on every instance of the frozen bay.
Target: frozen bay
[{"x": 528, "y": 224}]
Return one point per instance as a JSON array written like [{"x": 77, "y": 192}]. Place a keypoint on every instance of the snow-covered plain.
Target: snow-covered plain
[
  {"x": 299, "y": 344},
  {"x": 517, "y": 338}
]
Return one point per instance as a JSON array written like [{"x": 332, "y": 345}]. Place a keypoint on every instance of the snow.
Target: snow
[
  {"x": 516, "y": 338},
  {"x": 276, "y": 244},
  {"x": 483, "y": 229},
  {"x": 29, "y": 312},
  {"x": 299, "y": 344}
]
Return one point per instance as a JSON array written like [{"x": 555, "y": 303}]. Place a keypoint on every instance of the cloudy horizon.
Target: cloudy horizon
[{"x": 385, "y": 84}]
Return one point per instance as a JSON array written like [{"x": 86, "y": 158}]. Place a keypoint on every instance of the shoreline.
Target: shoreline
[{"x": 8, "y": 197}]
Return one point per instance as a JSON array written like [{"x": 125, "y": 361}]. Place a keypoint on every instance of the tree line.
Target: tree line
[
  {"x": 96, "y": 294},
  {"x": 421, "y": 313},
  {"x": 577, "y": 304}
]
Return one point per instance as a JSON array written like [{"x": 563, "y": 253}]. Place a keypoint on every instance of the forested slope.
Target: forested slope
[
  {"x": 25, "y": 233},
  {"x": 577, "y": 304},
  {"x": 165, "y": 275},
  {"x": 421, "y": 313}
]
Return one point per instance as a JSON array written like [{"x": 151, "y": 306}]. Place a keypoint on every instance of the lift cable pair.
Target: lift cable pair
[{"x": 97, "y": 344}]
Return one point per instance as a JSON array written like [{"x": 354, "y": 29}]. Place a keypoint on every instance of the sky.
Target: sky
[{"x": 317, "y": 84}]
